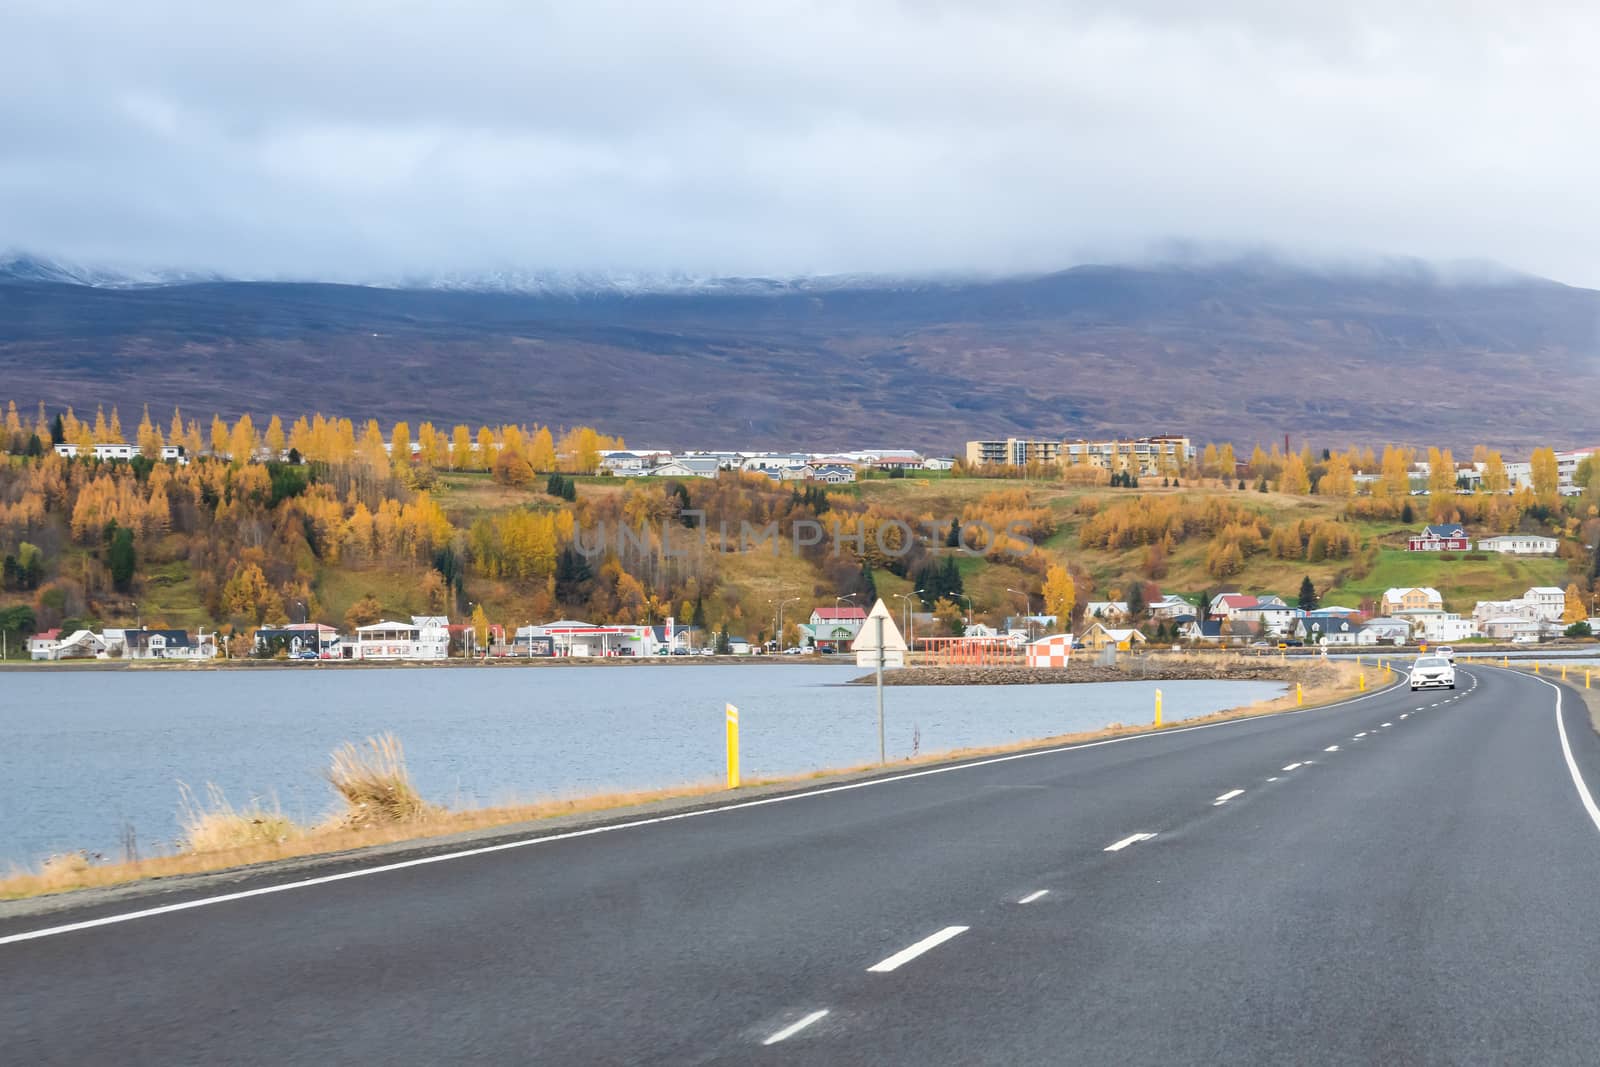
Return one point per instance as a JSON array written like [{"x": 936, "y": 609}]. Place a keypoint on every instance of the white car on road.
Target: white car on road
[{"x": 1432, "y": 672}]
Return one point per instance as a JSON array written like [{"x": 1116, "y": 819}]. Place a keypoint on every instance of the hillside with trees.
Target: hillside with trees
[{"x": 317, "y": 518}]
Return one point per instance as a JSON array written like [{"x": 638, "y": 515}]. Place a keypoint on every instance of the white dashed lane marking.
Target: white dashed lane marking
[
  {"x": 911, "y": 952},
  {"x": 1229, "y": 795},
  {"x": 1131, "y": 839},
  {"x": 795, "y": 1027}
]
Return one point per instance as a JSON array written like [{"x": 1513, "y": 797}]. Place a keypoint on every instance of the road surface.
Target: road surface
[{"x": 1405, "y": 878}]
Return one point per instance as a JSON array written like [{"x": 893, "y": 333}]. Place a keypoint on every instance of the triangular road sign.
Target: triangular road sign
[{"x": 867, "y": 639}]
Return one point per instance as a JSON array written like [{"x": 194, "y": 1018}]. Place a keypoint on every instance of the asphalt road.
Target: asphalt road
[{"x": 1400, "y": 879}]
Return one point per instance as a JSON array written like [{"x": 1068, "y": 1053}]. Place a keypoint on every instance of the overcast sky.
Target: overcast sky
[{"x": 356, "y": 140}]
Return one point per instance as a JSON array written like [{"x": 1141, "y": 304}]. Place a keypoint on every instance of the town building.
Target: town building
[
  {"x": 833, "y": 627},
  {"x": 1519, "y": 545},
  {"x": 1099, "y": 636},
  {"x": 1447, "y": 629},
  {"x": 1164, "y": 454},
  {"x": 1013, "y": 452},
  {"x": 43, "y": 645},
  {"x": 1397, "y": 601},
  {"x": 425, "y": 637},
  {"x": 1107, "y": 610},
  {"x": 1548, "y": 601},
  {"x": 1445, "y": 537}
]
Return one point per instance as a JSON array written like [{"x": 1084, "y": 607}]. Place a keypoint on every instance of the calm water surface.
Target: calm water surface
[{"x": 84, "y": 753}]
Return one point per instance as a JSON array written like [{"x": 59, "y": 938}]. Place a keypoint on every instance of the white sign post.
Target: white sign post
[{"x": 880, "y": 644}]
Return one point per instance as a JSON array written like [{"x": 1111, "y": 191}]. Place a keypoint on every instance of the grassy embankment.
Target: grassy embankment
[{"x": 379, "y": 806}]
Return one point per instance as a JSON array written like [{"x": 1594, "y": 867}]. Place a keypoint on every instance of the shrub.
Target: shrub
[
  {"x": 374, "y": 782},
  {"x": 216, "y": 826}
]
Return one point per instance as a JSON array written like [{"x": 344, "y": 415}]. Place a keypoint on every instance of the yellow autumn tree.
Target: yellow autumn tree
[
  {"x": 1295, "y": 479},
  {"x": 1060, "y": 595},
  {"x": 149, "y": 438},
  {"x": 1546, "y": 477},
  {"x": 1495, "y": 480},
  {"x": 248, "y": 595},
  {"x": 1441, "y": 486},
  {"x": 480, "y": 626},
  {"x": 1338, "y": 480},
  {"x": 1574, "y": 609},
  {"x": 542, "y": 451},
  {"x": 276, "y": 440}
]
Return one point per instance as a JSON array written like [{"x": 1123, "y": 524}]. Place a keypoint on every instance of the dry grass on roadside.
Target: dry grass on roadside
[
  {"x": 377, "y": 780},
  {"x": 216, "y": 826},
  {"x": 375, "y": 784}
]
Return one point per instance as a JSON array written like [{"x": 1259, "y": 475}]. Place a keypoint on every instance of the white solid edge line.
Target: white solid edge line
[
  {"x": 911, "y": 952},
  {"x": 1131, "y": 839},
  {"x": 633, "y": 824},
  {"x": 795, "y": 1027},
  {"x": 1572, "y": 764},
  {"x": 1033, "y": 896},
  {"x": 1229, "y": 795}
]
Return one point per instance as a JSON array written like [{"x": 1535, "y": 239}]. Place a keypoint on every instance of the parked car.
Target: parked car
[
  {"x": 1432, "y": 672},
  {"x": 306, "y": 654},
  {"x": 795, "y": 651},
  {"x": 680, "y": 652},
  {"x": 826, "y": 651},
  {"x": 708, "y": 652}
]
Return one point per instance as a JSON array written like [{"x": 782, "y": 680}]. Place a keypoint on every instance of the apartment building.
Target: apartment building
[
  {"x": 1013, "y": 451},
  {"x": 1161, "y": 454}
]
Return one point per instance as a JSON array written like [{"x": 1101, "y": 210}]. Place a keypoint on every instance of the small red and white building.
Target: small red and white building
[{"x": 1446, "y": 537}]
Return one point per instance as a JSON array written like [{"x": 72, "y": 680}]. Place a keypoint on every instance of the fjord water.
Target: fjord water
[{"x": 85, "y": 753}]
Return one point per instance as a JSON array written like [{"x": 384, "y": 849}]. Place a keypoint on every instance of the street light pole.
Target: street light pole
[
  {"x": 970, "y": 608},
  {"x": 781, "y": 603},
  {"x": 1027, "y": 606},
  {"x": 837, "y": 600}
]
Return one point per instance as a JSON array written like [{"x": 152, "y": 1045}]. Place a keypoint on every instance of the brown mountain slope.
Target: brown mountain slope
[{"x": 1241, "y": 352}]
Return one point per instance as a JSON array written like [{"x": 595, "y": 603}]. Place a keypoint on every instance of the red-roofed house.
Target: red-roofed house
[
  {"x": 1224, "y": 605},
  {"x": 835, "y": 627},
  {"x": 43, "y": 645}
]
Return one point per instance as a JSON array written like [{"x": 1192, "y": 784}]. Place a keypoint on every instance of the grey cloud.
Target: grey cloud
[{"x": 358, "y": 140}]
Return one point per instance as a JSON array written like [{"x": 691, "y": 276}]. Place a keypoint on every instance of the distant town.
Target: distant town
[{"x": 319, "y": 540}]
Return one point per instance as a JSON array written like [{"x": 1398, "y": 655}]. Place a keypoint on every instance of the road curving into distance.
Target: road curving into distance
[{"x": 1402, "y": 877}]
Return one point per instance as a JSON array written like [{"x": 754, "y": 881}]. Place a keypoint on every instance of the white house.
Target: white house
[
  {"x": 421, "y": 639},
  {"x": 1106, "y": 609},
  {"x": 1171, "y": 607},
  {"x": 939, "y": 463},
  {"x": 1515, "y": 628},
  {"x": 44, "y": 645},
  {"x": 1519, "y": 545},
  {"x": 1385, "y": 631},
  {"x": 830, "y": 473},
  {"x": 688, "y": 467},
  {"x": 1445, "y": 629},
  {"x": 82, "y": 644},
  {"x": 115, "y": 450},
  {"x": 1548, "y": 601}
]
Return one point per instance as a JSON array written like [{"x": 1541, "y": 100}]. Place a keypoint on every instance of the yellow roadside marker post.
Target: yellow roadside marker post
[
  {"x": 1363, "y": 680},
  {"x": 1158, "y": 707},
  {"x": 1299, "y": 696},
  {"x": 1563, "y": 672},
  {"x": 733, "y": 747}
]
